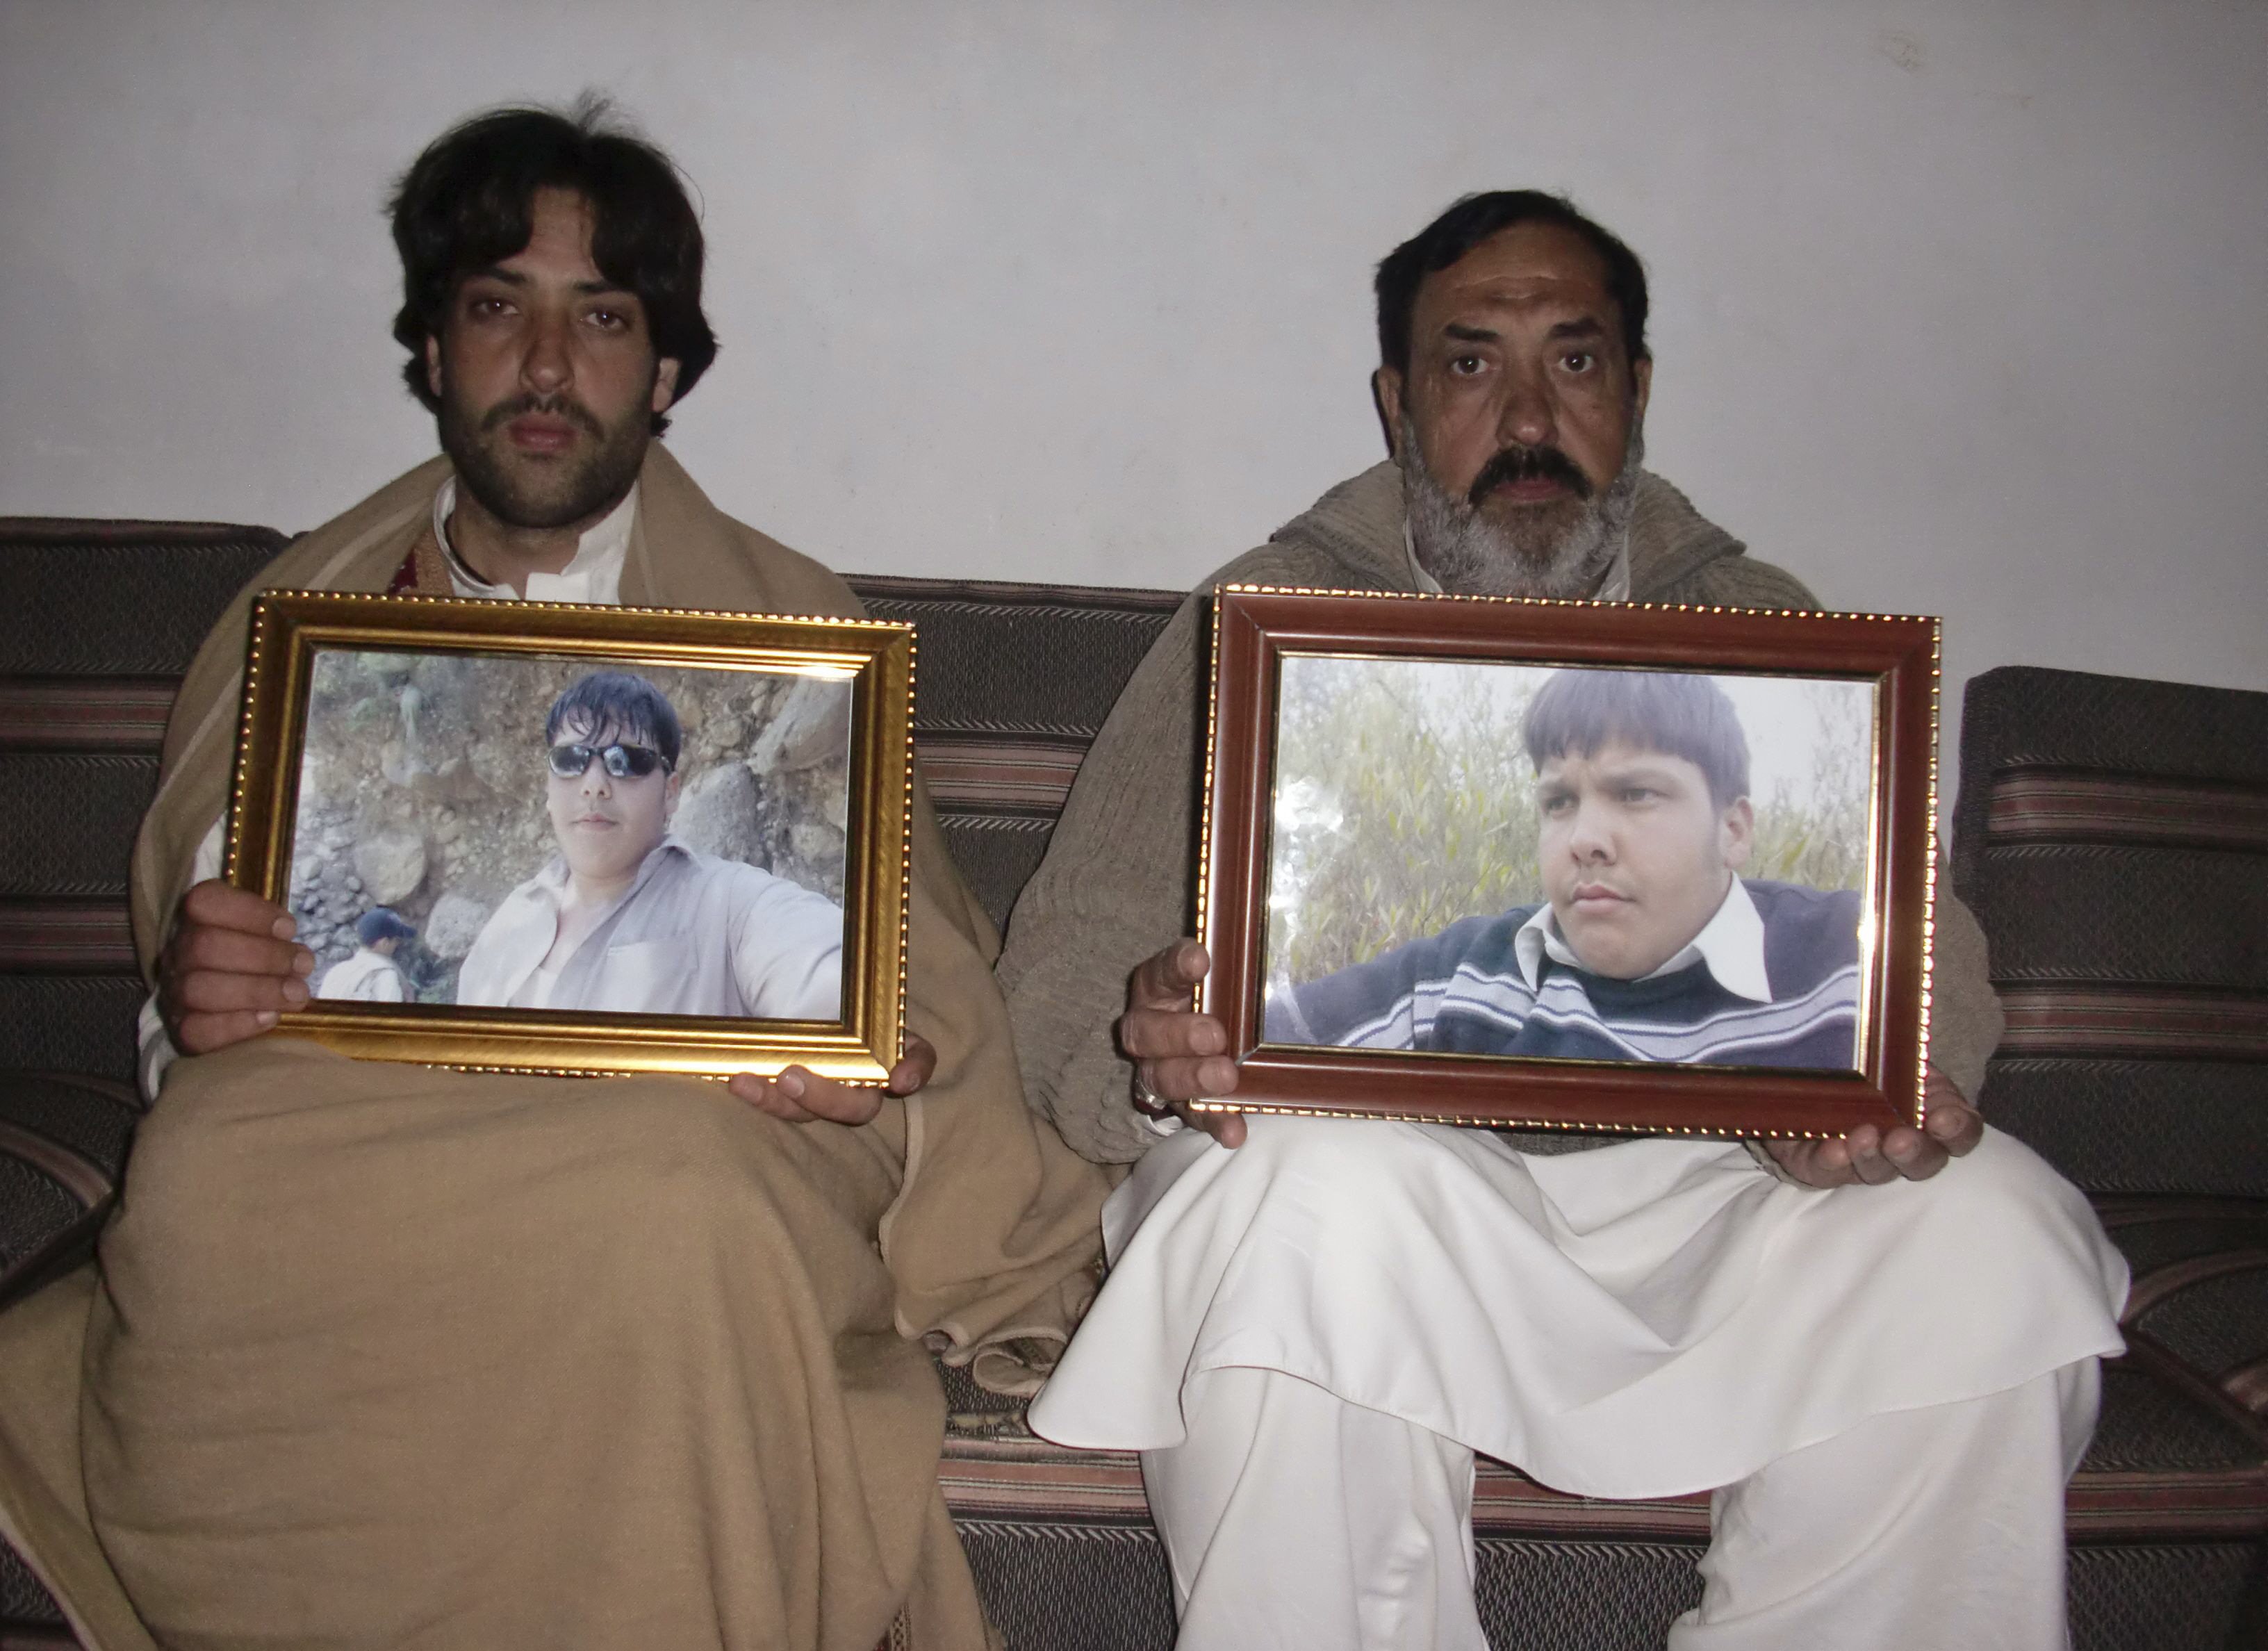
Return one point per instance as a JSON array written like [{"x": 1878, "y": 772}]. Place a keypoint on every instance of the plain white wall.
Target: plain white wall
[{"x": 1959, "y": 305}]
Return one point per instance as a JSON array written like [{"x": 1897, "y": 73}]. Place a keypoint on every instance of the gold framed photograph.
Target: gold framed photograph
[
  {"x": 541, "y": 837},
  {"x": 1573, "y": 865}
]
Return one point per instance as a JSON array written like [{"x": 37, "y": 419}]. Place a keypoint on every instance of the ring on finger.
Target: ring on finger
[{"x": 1147, "y": 1100}]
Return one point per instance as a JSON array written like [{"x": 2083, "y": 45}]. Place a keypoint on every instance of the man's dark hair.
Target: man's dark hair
[
  {"x": 468, "y": 202},
  {"x": 381, "y": 923},
  {"x": 1679, "y": 713},
  {"x": 634, "y": 708},
  {"x": 1471, "y": 221}
]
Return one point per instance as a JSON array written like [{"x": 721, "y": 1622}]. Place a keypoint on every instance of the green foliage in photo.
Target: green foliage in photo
[
  {"x": 1435, "y": 810},
  {"x": 1817, "y": 835}
]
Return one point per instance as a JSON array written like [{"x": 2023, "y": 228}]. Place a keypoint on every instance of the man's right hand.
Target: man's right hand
[
  {"x": 229, "y": 970},
  {"x": 1180, "y": 1056}
]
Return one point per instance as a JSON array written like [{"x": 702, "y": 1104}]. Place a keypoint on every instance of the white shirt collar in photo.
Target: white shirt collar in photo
[
  {"x": 594, "y": 575},
  {"x": 552, "y": 879},
  {"x": 1731, "y": 943},
  {"x": 1614, "y": 587}
]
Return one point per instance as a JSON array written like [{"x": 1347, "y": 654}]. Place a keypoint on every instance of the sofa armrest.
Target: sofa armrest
[{"x": 62, "y": 1146}]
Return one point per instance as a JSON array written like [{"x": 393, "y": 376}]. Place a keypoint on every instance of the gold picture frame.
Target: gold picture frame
[
  {"x": 1386, "y": 1068},
  {"x": 398, "y": 742}
]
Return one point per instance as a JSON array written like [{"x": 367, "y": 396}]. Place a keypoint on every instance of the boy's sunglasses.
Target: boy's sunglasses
[{"x": 623, "y": 762}]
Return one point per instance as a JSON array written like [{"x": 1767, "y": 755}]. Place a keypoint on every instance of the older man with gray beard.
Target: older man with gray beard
[{"x": 1884, "y": 1373}]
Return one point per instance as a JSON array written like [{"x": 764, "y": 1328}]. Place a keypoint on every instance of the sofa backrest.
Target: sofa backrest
[
  {"x": 2112, "y": 835},
  {"x": 101, "y": 618},
  {"x": 1010, "y": 685}
]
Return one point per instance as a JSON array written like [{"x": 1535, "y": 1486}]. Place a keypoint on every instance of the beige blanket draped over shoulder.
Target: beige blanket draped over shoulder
[{"x": 382, "y": 1354}]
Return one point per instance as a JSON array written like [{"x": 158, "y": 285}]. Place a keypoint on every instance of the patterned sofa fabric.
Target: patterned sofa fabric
[
  {"x": 63, "y": 1148},
  {"x": 100, "y": 618},
  {"x": 1012, "y": 684},
  {"x": 2112, "y": 835},
  {"x": 2169, "y": 1130}
]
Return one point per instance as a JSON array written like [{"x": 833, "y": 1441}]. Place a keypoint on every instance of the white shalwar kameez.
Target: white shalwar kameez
[{"x": 1310, "y": 1336}]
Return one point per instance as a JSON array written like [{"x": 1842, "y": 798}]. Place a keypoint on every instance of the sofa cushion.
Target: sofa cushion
[
  {"x": 97, "y": 620},
  {"x": 78, "y": 598},
  {"x": 1011, "y": 684},
  {"x": 2112, "y": 837}
]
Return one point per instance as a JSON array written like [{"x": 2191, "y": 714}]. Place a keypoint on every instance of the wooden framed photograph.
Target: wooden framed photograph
[
  {"x": 1570, "y": 865},
  {"x": 539, "y": 837}
]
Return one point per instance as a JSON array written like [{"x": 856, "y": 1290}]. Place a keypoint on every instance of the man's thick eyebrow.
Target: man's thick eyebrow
[
  {"x": 514, "y": 278},
  {"x": 1589, "y": 327},
  {"x": 1465, "y": 334}
]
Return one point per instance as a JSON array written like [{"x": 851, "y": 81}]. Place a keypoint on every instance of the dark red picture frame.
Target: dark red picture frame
[{"x": 1254, "y": 627}]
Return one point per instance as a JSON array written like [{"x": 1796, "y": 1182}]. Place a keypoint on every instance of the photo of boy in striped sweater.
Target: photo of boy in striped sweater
[{"x": 1650, "y": 945}]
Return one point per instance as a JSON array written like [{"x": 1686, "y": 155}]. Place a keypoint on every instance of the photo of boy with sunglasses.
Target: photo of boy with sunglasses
[{"x": 628, "y": 917}]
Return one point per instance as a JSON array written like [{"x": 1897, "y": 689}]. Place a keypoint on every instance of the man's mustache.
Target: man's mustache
[
  {"x": 1545, "y": 463},
  {"x": 550, "y": 406}
]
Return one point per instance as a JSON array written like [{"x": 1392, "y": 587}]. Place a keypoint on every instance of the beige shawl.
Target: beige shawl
[{"x": 386, "y": 1355}]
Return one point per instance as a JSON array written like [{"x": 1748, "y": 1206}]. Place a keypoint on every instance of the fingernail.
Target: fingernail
[
  {"x": 266, "y": 1017},
  {"x": 285, "y": 928},
  {"x": 303, "y": 960},
  {"x": 295, "y": 994},
  {"x": 789, "y": 1085}
]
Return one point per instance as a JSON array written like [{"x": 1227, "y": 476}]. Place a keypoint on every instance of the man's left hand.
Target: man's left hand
[
  {"x": 805, "y": 1097},
  {"x": 1950, "y": 1128}
]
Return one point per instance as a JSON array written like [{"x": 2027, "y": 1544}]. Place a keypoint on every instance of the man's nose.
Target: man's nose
[
  {"x": 547, "y": 364},
  {"x": 1590, "y": 838},
  {"x": 596, "y": 781},
  {"x": 1529, "y": 417}
]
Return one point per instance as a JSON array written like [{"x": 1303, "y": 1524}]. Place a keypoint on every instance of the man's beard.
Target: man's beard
[
  {"x": 1562, "y": 548},
  {"x": 532, "y": 493}
]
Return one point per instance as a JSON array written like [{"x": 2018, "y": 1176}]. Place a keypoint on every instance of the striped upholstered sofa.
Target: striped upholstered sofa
[{"x": 2113, "y": 836}]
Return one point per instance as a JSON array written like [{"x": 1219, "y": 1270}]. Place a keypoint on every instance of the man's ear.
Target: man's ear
[
  {"x": 665, "y": 391},
  {"x": 1736, "y": 834},
  {"x": 1386, "y": 397},
  {"x": 669, "y": 788},
  {"x": 433, "y": 365},
  {"x": 1641, "y": 386}
]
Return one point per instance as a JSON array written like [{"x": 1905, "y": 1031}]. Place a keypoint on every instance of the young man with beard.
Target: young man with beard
[
  {"x": 379, "y": 1354},
  {"x": 1884, "y": 1372}
]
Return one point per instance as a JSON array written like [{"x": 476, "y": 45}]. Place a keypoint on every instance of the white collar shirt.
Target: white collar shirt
[
  {"x": 367, "y": 977},
  {"x": 594, "y": 574},
  {"x": 1731, "y": 943},
  {"x": 693, "y": 934}
]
